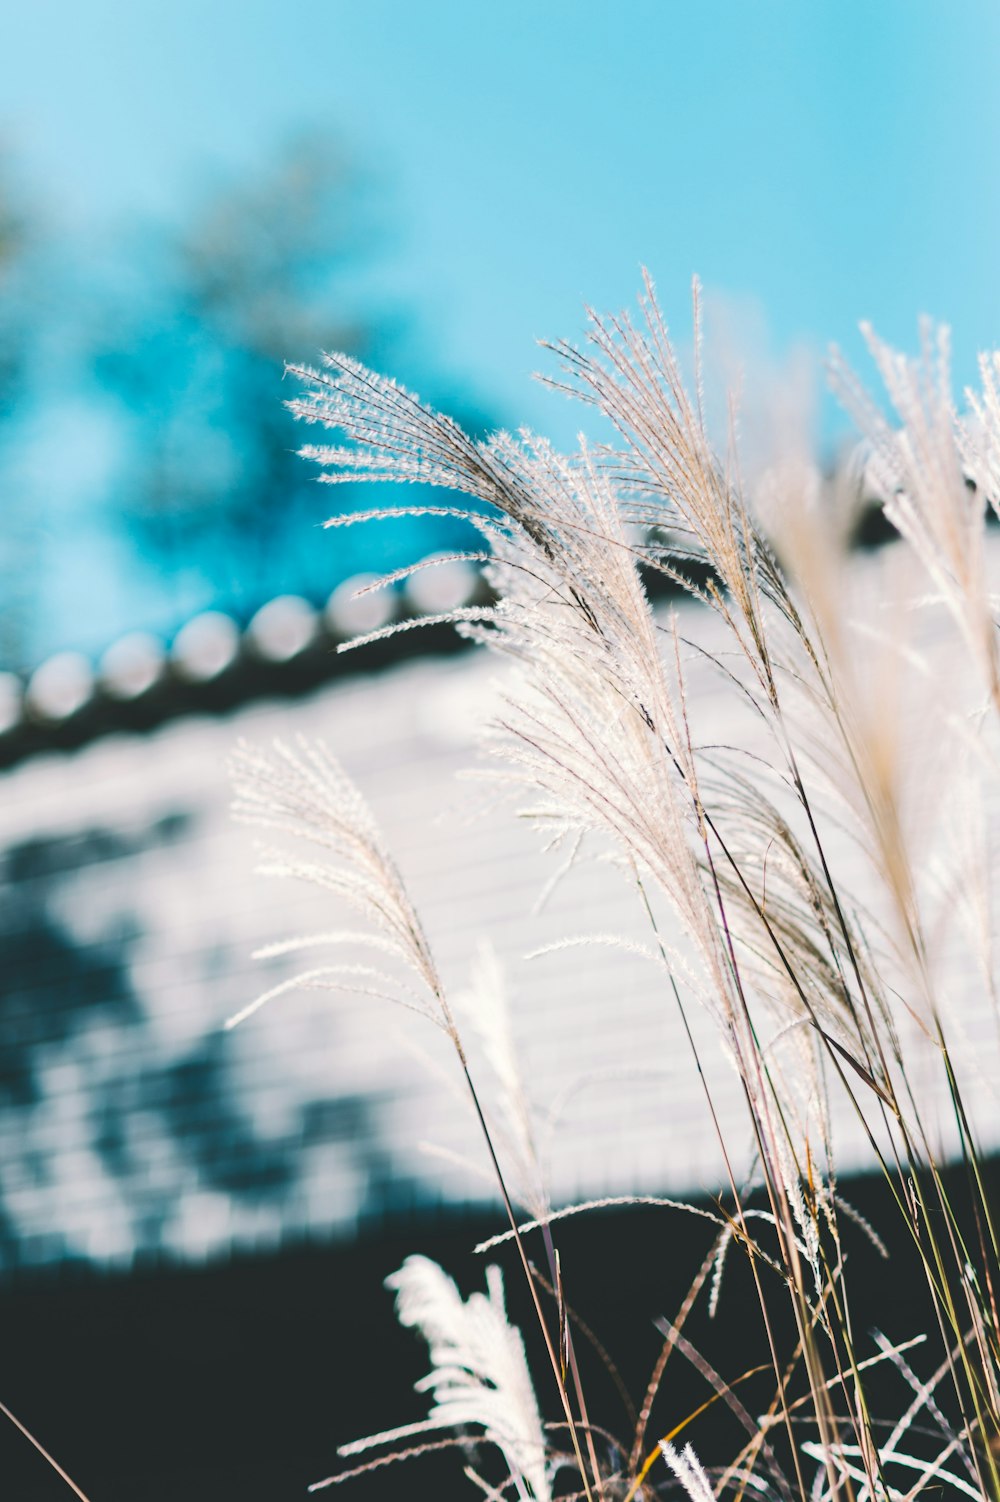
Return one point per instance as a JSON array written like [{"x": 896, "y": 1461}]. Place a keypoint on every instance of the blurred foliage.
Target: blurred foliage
[
  {"x": 20, "y": 237},
  {"x": 210, "y": 479},
  {"x": 147, "y": 463},
  {"x": 261, "y": 272},
  {"x": 15, "y": 240}
]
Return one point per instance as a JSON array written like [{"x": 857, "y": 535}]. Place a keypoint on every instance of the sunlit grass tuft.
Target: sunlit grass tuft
[{"x": 807, "y": 882}]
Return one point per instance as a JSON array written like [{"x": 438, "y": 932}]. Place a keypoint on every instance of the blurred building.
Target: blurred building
[{"x": 135, "y": 1128}]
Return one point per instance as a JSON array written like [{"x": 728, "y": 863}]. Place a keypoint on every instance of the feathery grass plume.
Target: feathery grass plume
[
  {"x": 596, "y": 729},
  {"x": 479, "y": 1372},
  {"x": 512, "y": 1125},
  {"x": 904, "y": 732},
  {"x": 671, "y": 481},
  {"x": 927, "y": 494},
  {"x": 638, "y": 389},
  {"x": 821, "y": 976},
  {"x": 592, "y": 728},
  {"x": 979, "y": 435},
  {"x": 889, "y": 738},
  {"x": 689, "y": 1472},
  {"x": 305, "y": 793}
]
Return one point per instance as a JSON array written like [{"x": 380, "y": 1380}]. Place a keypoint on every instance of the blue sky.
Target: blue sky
[{"x": 821, "y": 162}]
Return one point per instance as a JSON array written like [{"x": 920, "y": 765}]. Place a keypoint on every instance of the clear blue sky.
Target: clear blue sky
[{"x": 823, "y": 161}]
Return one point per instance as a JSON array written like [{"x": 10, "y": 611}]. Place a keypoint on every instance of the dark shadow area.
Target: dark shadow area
[
  {"x": 51, "y": 985},
  {"x": 106, "y": 1134},
  {"x": 240, "y": 1380}
]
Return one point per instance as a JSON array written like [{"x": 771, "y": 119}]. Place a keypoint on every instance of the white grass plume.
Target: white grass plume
[
  {"x": 479, "y": 1372},
  {"x": 486, "y": 1007},
  {"x": 919, "y": 470},
  {"x": 303, "y": 792},
  {"x": 689, "y": 1472},
  {"x": 596, "y": 731}
]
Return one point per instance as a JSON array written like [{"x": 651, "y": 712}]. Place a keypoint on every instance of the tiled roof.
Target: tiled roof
[{"x": 215, "y": 663}]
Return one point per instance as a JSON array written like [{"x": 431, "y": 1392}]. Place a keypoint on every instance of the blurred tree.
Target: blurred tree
[
  {"x": 212, "y": 484},
  {"x": 210, "y": 477},
  {"x": 19, "y": 237},
  {"x": 14, "y": 241}
]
